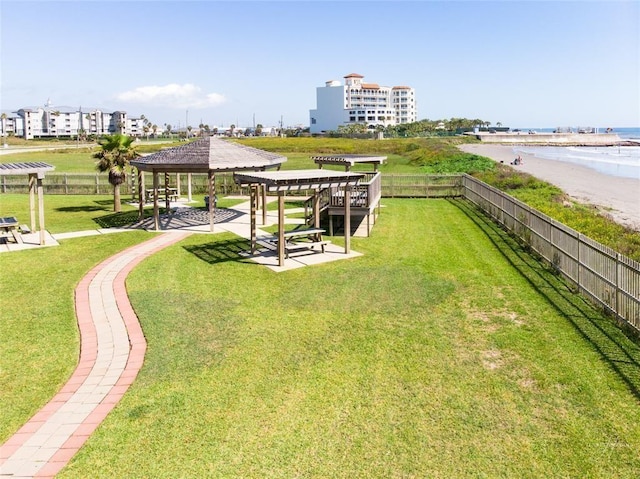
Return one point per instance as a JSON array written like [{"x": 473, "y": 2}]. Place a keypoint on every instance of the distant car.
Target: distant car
[
  {"x": 492, "y": 131},
  {"x": 531, "y": 132}
]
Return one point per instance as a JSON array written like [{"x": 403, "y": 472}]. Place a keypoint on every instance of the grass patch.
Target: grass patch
[
  {"x": 65, "y": 213},
  {"x": 38, "y": 331},
  {"x": 446, "y": 355}
]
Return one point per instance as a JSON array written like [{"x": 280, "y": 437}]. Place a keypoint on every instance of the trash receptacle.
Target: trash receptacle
[{"x": 215, "y": 201}]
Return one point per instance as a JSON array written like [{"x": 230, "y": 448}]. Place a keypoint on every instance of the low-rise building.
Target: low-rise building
[
  {"x": 358, "y": 102},
  {"x": 49, "y": 121}
]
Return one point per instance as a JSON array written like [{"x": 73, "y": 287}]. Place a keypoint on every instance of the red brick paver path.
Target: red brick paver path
[{"x": 112, "y": 348}]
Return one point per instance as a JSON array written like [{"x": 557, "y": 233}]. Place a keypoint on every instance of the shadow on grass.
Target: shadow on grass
[
  {"x": 106, "y": 202},
  {"x": 221, "y": 251},
  {"x": 78, "y": 209},
  {"x": 119, "y": 220},
  {"x": 619, "y": 351}
]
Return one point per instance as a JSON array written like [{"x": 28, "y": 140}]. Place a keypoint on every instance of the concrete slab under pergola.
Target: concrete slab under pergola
[
  {"x": 36, "y": 172},
  {"x": 282, "y": 182},
  {"x": 208, "y": 155}
]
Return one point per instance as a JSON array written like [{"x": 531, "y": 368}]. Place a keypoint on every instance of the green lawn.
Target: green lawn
[
  {"x": 444, "y": 351},
  {"x": 38, "y": 331},
  {"x": 65, "y": 213}
]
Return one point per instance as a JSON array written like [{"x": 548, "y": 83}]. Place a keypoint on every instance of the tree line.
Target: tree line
[{"x": 418, "y": 128}]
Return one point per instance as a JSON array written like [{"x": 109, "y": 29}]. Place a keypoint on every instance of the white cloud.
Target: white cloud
[{"x": 172, "y": 95}]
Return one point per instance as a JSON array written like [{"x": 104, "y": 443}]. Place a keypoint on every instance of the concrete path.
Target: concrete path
[{"x": 112, "y": 353}]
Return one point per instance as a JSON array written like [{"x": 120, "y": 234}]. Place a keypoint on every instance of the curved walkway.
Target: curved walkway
[{"x": 112, "y": 348}]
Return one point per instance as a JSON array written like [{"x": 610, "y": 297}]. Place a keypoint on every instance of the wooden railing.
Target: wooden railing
[{"x": 365, "y": 195}]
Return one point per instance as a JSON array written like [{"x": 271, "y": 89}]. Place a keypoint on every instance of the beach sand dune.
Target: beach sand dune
[{"x": 616, "y": 196}]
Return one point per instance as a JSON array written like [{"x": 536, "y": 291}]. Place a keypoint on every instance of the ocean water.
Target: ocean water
[
  {"x": 621, "y": 161},
  {"x": 624, "y": 133}
]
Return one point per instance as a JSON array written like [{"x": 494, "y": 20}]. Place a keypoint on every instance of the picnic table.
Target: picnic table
[
  {"x": 162, "y": 191},
  {"x": 301, "y": 239},
  {"x": 9, "y": 224}
]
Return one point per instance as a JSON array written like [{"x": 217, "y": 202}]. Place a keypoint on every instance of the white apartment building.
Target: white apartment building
[
  {"x": 49, "y": 121},
  {"x": 360, "y": 102}
]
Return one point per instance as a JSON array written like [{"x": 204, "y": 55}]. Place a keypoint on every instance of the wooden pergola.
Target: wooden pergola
[
  {"x": 36, "y": 172},
  {"x": 281, "y": 182},
  {"x": 349, "y": 161},
  {"x": 208, "y": 155}
]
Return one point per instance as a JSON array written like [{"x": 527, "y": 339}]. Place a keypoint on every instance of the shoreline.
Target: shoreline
[{"x": 614, "y": 196}]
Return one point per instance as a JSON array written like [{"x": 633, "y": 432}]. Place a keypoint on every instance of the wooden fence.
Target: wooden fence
[
  {"x": 98, "y": 184},
  {"x": 421, "y": 186},
  {"x": 609, "y": 278}
]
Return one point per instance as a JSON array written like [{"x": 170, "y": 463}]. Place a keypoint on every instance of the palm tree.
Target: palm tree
[{"x": 116, "y": 153}]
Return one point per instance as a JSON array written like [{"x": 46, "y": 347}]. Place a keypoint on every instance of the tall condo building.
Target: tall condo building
[{"x": 360, "y": 102}]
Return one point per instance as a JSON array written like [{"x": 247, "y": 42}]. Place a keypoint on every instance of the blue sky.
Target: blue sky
[{"x": 524, "y": 64}]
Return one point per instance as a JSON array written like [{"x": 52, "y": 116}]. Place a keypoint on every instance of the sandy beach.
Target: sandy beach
[{"x": 616, "y": 196}]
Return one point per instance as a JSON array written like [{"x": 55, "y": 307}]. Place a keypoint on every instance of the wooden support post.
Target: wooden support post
[
  {"x": 316, "y": 208},
  {"x": 212, "y": 198},
  {"x": 254, "y": 192},
  {"x": 264, "y": 204},
  {"x": 156, "y": 207},
  {"x": 41, "y": 209},
  {"x": 167, "y": 197},
  {"x": 144, "y": 190},
  {"x": 189, "y": 199},
  {"x": 280, "y": 228},
  {"x": 140, "y": 196},
  {"x": 178, "y": 185},
  {"x": 347, "y": 219},
  {"x": 32, "y": 200}
]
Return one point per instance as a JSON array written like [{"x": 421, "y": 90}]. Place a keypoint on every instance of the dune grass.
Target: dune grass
[{"x": 444, "y": 351}]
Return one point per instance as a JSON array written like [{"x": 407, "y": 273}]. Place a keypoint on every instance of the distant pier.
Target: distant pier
[{"x": 553, "y": 139}]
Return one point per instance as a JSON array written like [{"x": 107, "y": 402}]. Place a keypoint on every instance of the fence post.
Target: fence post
[
  {"x": 618, "y": 317},
  {"x": 579, "y": 263},
  {"x": 97, "y": 184}
]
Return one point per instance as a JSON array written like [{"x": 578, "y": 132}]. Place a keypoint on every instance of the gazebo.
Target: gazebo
[
  {"x": 36, "y": 172},
  {"x": 281, "y": 182},
  {"x": 208, "y": 155}
]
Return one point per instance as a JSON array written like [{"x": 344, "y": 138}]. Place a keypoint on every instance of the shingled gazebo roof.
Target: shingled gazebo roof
[{"x": 208, "y": 154}]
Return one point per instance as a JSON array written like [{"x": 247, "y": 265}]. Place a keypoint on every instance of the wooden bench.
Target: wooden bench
[
  {"x": 173, "y": 194},
  {"x": 300, "y": 239}
]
